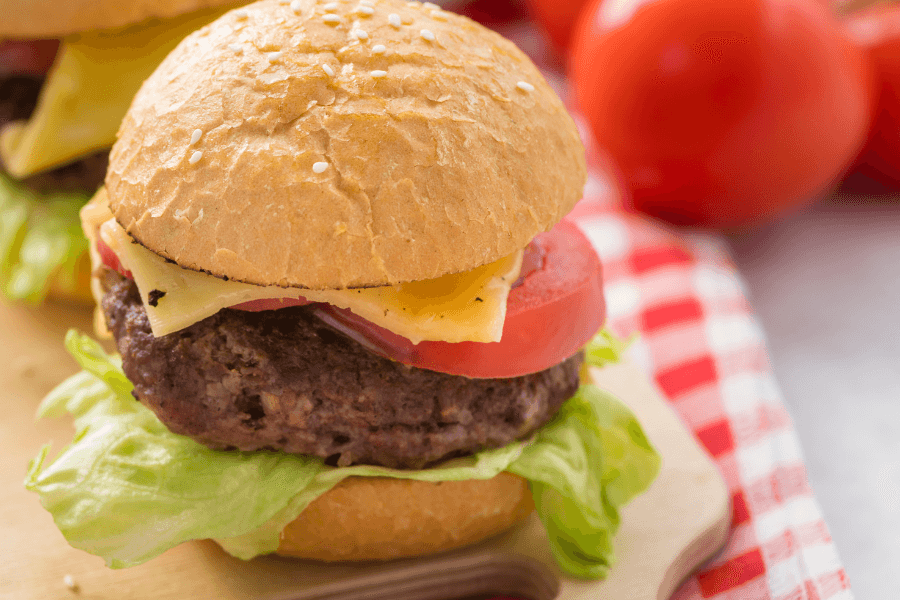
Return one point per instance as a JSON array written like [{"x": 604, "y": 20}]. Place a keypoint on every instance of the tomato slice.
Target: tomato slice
[
  {"x": 110, "y": 259},
  {"x": 551, "y": 315},
  {"x": 34, "y": 57}
]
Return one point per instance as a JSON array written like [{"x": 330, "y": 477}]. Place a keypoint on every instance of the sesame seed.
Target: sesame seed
[
  {"x": 241, "y": 14},
  {"x": 273, "y": 56},
  {"x": 365, "y": 10},
  {"x": 235, "y": 47},
  {"x": 330, "y": 7},
  {"x": 438, "y": 15},
  {"x": 525, "y": 86},
  {"x": 427, "y": 35},
  {"x": 378, "y": 49},
  {"x": 319, "y": 167},
  {"x": 394, "y": 19},
  {"x": 296, "y": 6},
  {"x": 328, "y": 70},
  {"x": 430, "y": 5},
  {"x": 195, "y": 137},
  {"x": 70, "y": 582},
  {"x": 366, "y": 2},
  {"x": 195, "y": 157},
  {"x": 331, "y": 19},
  {"x": 361, "y": 34},
  {"x": 378, "y": 74}
]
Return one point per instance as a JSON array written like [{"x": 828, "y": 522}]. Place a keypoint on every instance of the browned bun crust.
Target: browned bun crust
[
  {"x": 366, "y": 518},
  {"x": 34, "y": 19},
  {"x": 437, "y": 160}
]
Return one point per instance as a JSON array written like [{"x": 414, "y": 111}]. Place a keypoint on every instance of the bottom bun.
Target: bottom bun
[{"x": 374, "y": 518}]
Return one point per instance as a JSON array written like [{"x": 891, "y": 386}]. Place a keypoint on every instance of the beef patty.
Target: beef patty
[
  {"x": 283, "y": 380},
  {"x": 18, "y": 97}
]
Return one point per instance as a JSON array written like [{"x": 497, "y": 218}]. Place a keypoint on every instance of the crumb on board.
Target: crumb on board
[{"x": 70, "y": 582}]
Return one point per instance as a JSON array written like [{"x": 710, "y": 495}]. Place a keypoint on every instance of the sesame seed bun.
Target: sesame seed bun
[
  {"x": 365, "y": 518},
  {"x": 50, "y": 19},
  {"x": 331, "y": 159}
]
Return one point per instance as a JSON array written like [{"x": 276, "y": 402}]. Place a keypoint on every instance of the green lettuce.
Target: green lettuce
[
  {"x": 127, "y": 489},
  {"x": 40, "y": 239}
]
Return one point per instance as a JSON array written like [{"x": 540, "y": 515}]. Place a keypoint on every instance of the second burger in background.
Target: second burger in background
[
  {"x": 68, "y": 71},
  {"x": 352, "y": 324}
]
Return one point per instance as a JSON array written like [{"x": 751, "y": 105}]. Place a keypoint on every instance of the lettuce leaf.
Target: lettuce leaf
[
  {"x": 127, "y": 489},
  {"x": 40, "y": 239},
  {"x": 606, "y": 349}
]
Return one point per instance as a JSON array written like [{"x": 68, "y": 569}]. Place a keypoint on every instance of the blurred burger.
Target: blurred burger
[
  {"x": 68, "y": 71},
  {"x": 331, "y": 255}
]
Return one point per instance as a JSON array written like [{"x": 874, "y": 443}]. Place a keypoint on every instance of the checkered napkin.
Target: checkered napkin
[{"x": 699, "y": 339}]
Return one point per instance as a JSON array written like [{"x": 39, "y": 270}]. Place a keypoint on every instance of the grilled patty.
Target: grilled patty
[
  {"x": 18, "y": 98},
  {"x": 283, "y": 380}
]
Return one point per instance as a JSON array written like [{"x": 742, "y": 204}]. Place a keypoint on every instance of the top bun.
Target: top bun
[
  {"x": 278, "y": 146},
  {"x": 33, "y": 19}
]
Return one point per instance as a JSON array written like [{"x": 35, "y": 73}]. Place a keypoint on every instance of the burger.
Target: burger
[
  {"x": 68, "y": 71},
  {"x": 351, "y": 319}
]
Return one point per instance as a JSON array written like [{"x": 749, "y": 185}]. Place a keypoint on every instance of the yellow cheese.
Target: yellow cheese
[
  {"x": 93, "y": 215},
  {"x": 88, "y": 91},
  {"x": 468, "y": 306}
]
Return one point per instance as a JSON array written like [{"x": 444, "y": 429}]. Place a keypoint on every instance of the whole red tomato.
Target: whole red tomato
[
  {"x": 557, "y": 19},
  {"x": 721, "y": 113},
  {"x": 877, "y": 30}
]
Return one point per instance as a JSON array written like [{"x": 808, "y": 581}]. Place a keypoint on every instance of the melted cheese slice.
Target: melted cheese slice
[
  {"x": 88, "y": 91},
  {"x": 469, "y": 306}
]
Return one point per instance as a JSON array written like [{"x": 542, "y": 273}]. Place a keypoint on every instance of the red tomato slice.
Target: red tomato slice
[
  {"x": 877, "y": 31},
  {"x": 27, "y": 58},
  {"x": 109, "y": 258},
  {"x": 549, "y": 317},
  {"x": 721, "y": 113}
]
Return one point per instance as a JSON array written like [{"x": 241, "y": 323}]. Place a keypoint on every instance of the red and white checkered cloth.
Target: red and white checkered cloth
[
  {"x": 706, "y": 351},
  {"x": 701, "y": 342}
]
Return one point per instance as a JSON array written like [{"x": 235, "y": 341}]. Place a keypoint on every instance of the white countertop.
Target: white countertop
[{"x": 825, "y": 284}]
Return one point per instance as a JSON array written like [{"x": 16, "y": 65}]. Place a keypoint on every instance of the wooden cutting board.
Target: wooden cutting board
[{"x": 676, "y": 525}]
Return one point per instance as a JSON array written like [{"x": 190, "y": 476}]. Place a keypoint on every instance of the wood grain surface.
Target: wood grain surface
[{"x": 680, "y": 522}]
